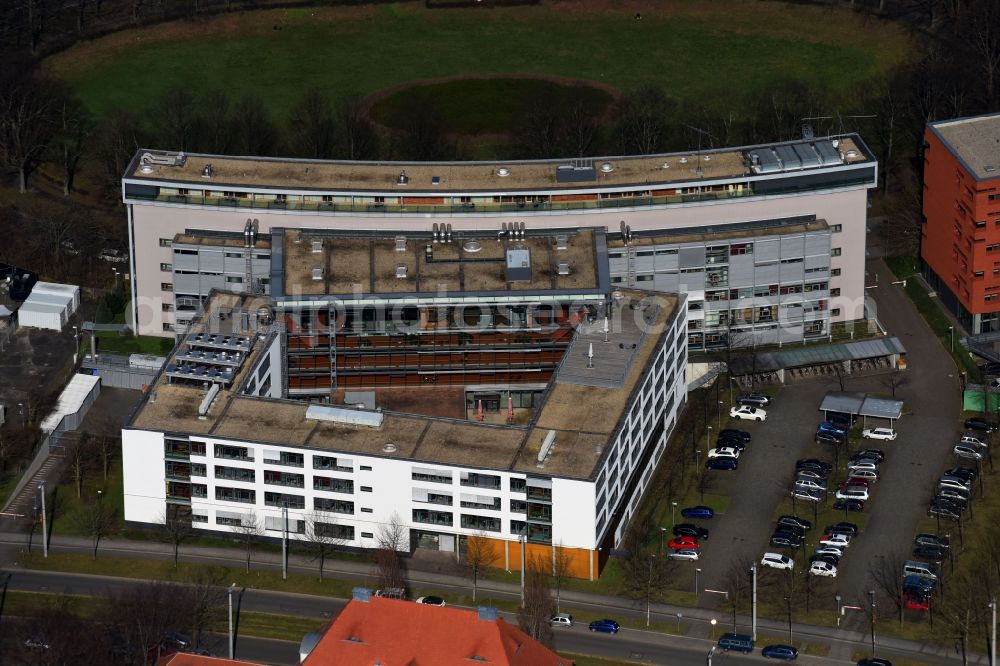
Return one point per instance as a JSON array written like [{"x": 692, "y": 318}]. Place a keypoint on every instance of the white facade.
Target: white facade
[{"x": 231, "y": 479}]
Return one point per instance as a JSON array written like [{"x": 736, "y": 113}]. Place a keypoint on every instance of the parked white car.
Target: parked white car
[
  {"x": 967, "y": 452},
  {"x": 820, "y": 568},
  {"x": 748, "y": 413},
  {"x": 724, "y": 452},
  {"x": 836, "y": 540},
  {"x": 887, "y": 434},
  {"x": 777, "y": 561}
]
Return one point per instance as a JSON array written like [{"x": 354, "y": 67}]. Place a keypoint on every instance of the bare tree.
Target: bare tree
[
  {"x": 323, "y": 537},
  {"x": 736, "y": 582},
  {"x": 355, "y": 137},
  {"x": 841, "y": 374},
  {"x": 141, "y": 615},
  {"x": 73, "y": 131},
  {"x": 177, "y": 527},
  {"x": 254, "y": 132},
  {"x": 480, "y": 553},
  {"x": 533, "y": 616},
  {"x": 26, "y": 127},
  {"x": 391, "y": 538},
  {"x": 885, "y": 574},
  {"x": 177, "y": 119},
  {"x": 895, "y": 379},
  {"x": 248, "y": 530},
  {"x": 643, "y": 127},
  {"x": 98, "y": 519},
  {"x": 107, "y": 445},
  {"x": 311, "y": 126},
  {"x": 204, "y": 598},
  {"x": 78, "y": 451},
  {"x": 644, "y": 573},
  {"x": 561, "y": 569}
]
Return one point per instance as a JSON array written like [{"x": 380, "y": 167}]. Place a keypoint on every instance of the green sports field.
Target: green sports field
[{"x": 708, "y": 54}]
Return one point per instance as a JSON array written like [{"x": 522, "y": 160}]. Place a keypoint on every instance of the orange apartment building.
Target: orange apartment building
[{"x": 960, "y": 243}]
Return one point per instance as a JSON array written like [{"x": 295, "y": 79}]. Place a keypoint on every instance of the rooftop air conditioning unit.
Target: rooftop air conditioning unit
[
  {"x": 317, "y": 273},
  {"x": 401, "y": 271},
  {"x": 317, "y": 246},
  {"x": 563, "y": 268},
  {"x": 400, "y": 243},
  {"x": 562, "y": 242}
]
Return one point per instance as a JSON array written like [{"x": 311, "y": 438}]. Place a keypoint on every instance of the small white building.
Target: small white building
[{"x": 49, "y": 306}]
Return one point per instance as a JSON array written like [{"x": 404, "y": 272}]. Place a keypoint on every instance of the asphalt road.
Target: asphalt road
[{"x": 647, "y": 647}]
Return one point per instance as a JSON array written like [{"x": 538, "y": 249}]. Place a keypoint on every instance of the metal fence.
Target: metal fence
[{"x": 115, "y": 371}]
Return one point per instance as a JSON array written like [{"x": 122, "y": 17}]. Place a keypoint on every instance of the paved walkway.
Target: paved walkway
[{"x": 842, "y": 641}]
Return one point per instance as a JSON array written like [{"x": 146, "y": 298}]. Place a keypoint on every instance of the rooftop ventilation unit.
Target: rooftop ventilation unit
[
  {"x": 563, "y": 268},
  {"x": 989, "y": 168},
  {"x": 435, "y": 180},
  {"x": 206, "y": 404},
  {"x": 389, "y": 447},
  {"x": 434, "y": 231},
  {"x": 317, "y": 273},
  {"x": 400, "y": 243},
  {"x": 145, "y": 168},
  {"x": 607, "y": 167},
  {"x": 207, "y": 171},
  {"x": 317, "y": 246},
  {"x": 503, "y": 172},
  {"x": 402, "y": 178},
  {"x": 472, "y": 246},
  {"x": 546, "y": 448},
  {"x": 175, "y": 159},
  {"x": 297, "y": 238},
  {"x": 518, "y": 264},
  {"x": 344, "y": 416},
  {"x": 562, "y": 242},
  {"x": 401, "y": 271},
  {"x": 579, "y": 171}
]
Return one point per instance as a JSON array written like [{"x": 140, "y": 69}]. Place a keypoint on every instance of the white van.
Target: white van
[{"x": 922, "y": 569}]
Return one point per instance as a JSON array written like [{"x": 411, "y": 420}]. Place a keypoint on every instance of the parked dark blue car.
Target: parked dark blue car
[
  {"x": 786, "y": 652},
  {"x": 705, "y": 512},
  {"x": 605, "y": 626}
]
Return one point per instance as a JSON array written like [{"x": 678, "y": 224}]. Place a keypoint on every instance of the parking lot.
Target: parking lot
[{"x": 908, "y": 477}]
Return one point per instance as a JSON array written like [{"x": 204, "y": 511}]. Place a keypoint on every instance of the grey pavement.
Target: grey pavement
[{"x": 698, "y": 619}]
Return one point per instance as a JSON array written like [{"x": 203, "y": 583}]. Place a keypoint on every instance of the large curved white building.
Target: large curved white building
[{"x": 767, "y": 241}]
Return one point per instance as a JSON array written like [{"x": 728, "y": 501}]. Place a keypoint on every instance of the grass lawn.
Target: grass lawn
[
  {"x": 932, "y": 311},
  {"x": 112, "y": 343},
  {"x": 163, "y": 570},
  {"x": 701, "y": 52},
  {"x": 494, "y": 105}
]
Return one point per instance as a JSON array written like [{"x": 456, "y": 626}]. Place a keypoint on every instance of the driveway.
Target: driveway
[{"x": 926, "y": 432}]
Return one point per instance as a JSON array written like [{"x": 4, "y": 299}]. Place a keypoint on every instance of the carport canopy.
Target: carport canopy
[
  {"x": 843, "y": 402},
  {"x": 863, "y": 405},
  {"x": 882, "y": 408}
]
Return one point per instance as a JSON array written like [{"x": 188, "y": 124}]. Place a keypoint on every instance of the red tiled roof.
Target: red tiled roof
[
  {"x": 184, "y": 659},
  {"x": 391, "y": 631}
]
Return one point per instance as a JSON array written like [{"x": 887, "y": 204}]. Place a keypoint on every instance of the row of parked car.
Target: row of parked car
[
  {"x": 953, "y": 494},
  {"x": 811, "y": 482},
  {"x": 729, "y": 446}
]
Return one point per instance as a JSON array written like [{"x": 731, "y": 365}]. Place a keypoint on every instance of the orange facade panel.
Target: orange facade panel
[{"x": 961, "y": 237}]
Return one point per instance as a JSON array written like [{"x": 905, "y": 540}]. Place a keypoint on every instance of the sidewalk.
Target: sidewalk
[{"x": 843, "y": 642}]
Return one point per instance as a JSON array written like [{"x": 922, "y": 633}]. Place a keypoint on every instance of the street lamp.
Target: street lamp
[
  {"x": 673, "y": 515},
  {"x": 20, "y": 410},
  {"x": 76, "y": 339},
  {"x": 696, "y": 572},
  {"x": 713, "y": 622},
  {"x": 45, "y": 529},
  {"x": 663, "y": 530},
  {"x": 951, "y": 329},
  {"x": 871, "y": 595},
  {"x": 838, "y": 610},
  {"x": 720, "y": 415}
]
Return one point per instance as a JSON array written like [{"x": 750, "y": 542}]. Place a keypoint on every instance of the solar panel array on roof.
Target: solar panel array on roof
[
  {"x": 579, "y": 171},
  {"x": 793, "y": 156}
]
